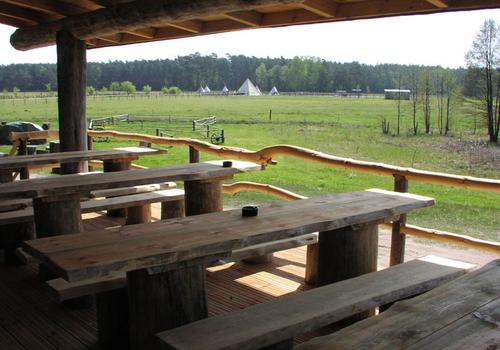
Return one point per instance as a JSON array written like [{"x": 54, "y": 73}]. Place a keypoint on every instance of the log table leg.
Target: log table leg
[
  {"x": 12, "y": 235},
  {"x": 114, "y": 332},
  {"x": 342, "y": 254},
  {"x": 163, "y": 300},
  {"x": 117, "y": 165},
  {"x": 56, "y": 216},
  {"x": 140, "y": 214},
  {"x": 203, "y": 197}
]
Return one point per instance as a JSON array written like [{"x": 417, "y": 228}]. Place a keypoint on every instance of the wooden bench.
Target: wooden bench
[
  {"x": 94, "y": 205},
  {"x": 63, "y": 290},
  {"x": 21, "y": 203},
  {"x": 461, "y": 314},
  {"x": 280, "y": 320}
]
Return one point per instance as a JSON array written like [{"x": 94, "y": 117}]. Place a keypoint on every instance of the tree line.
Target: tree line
[{"x": 190, "y": 72}]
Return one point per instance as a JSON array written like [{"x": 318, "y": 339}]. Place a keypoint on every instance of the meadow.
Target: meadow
[{"x": 347, "y": 127}]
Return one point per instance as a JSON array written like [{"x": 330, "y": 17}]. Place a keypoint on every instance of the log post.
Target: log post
[
  {"x": 398, "y": 239},
  {"x": 311, "y": 276},
  {"x": 203, "y": 197},
  {"x": 140, "y": 214},
  {"x": 112, "y": 319},
  {"x": 56, "y": 216},
  {"x": 12, "y": 235},
  {"x": 113, "y": 306},
  {"x": 345, "y": 253},
  {"x": 172, "y": 209},
  {"x": 71, "y": 88},
  {"x": 22, "y": 150},
  {"x": 194, "y": 155},
  {"x": 161, "y": 300},
  {"x": 117, "y": 165}
]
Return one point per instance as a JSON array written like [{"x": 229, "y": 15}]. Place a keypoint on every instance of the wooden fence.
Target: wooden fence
[{"x": 264, "y": 156}]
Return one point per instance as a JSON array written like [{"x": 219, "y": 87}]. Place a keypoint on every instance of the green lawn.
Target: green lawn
[{"x": 347, "y": 127}]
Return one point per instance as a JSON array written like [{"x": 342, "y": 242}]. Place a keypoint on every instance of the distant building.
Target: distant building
[
  {"x": 274, "y": 91},
  {"x": 396, "y": 94}
]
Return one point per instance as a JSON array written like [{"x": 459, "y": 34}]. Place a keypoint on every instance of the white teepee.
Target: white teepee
[
  {"x": 225, "y": 90},
  {"x": 248, "y": 89},
  {"x": 274, "y": 91},
  {"x": 207, "y": 89},
  {"x": 201, "y": 90}
]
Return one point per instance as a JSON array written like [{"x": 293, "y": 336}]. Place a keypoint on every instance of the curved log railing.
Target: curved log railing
[
  {"x": 442, "y": 236},
  {"x": 265, "y": 156}
]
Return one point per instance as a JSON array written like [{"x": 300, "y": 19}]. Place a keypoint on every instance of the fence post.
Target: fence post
[
  {"x": 194, "y": 155},
  {"x": 398, "y": 239}
]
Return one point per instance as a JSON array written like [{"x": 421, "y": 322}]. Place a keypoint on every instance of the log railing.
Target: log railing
[
  {"x": 265, "y": 156},
  {"x": 431, "y": 234}
]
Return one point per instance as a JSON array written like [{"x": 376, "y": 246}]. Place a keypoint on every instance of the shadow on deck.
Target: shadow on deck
[{"x": 30, "y": 319}]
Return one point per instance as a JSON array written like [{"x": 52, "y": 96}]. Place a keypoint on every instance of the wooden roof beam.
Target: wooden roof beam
[
  {"x": 325, "y": 8},
  {"x": 250, "y": 18},
  {"x": 47, "y": 6},
  {"x": 192, "y": 26},
  {"x": 442, "y": 4},
  {"x": 16, "y": 22},
  {"x": 23, "y": 13},
  {"x": 115, "y": 38},
  {"x": 146, "y": 33},
  {"x": 132, "y": 16}
]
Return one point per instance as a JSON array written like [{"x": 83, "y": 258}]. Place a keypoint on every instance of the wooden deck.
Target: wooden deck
[{"x": 29, "y": 319}]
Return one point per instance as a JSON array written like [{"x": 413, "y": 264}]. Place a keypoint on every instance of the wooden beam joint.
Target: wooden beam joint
[{"x": 325, "y": 8}]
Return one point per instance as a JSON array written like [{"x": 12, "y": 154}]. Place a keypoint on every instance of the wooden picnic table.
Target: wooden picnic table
[
  {"x": 165, "y": 284},
  {"x": 462, "y": 314},
  {"x": 122, "y": 155}
]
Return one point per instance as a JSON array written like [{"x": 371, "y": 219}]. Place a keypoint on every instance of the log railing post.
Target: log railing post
[
  {"x": 397, "y": 238},
  {"x": 194, "y": 155}
]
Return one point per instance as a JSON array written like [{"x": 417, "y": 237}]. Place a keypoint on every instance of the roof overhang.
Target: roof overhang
[{"x": 102, "y": 23}]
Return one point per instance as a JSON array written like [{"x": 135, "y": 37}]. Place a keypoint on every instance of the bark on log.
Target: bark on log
[
  {"x": 129, "y": 17},
  {"x": 71, "y": 88}
]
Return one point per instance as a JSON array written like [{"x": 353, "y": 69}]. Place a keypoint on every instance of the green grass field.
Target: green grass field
[{"x": 347, "y": 127}]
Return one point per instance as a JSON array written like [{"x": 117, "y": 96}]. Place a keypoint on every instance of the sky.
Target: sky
[{"x": 438, "y": 39}]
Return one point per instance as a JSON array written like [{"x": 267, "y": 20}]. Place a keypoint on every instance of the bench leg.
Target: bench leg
[
  {"x": 113, "y": 319},
  {"x": 172, "y": 209},
  {"x": 56, "y": 216},
  {"x": 11, "y": 239},
  {"x": 163, "y": 301},
  {"x": 347, "y": 253},
  {"x": 116, "y": 165},
  {"x": 203, "y": 197},
  {"x": 139, "y": 215}
]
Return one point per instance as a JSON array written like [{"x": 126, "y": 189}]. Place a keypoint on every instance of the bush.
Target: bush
[
  {"x": 90, "y": 90},
  {"x": 147, "y": 89},
  {"x": 128, "y": 87},
  {"x": 174, "y": 90},
  {"x": 115, "y": 86}
]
